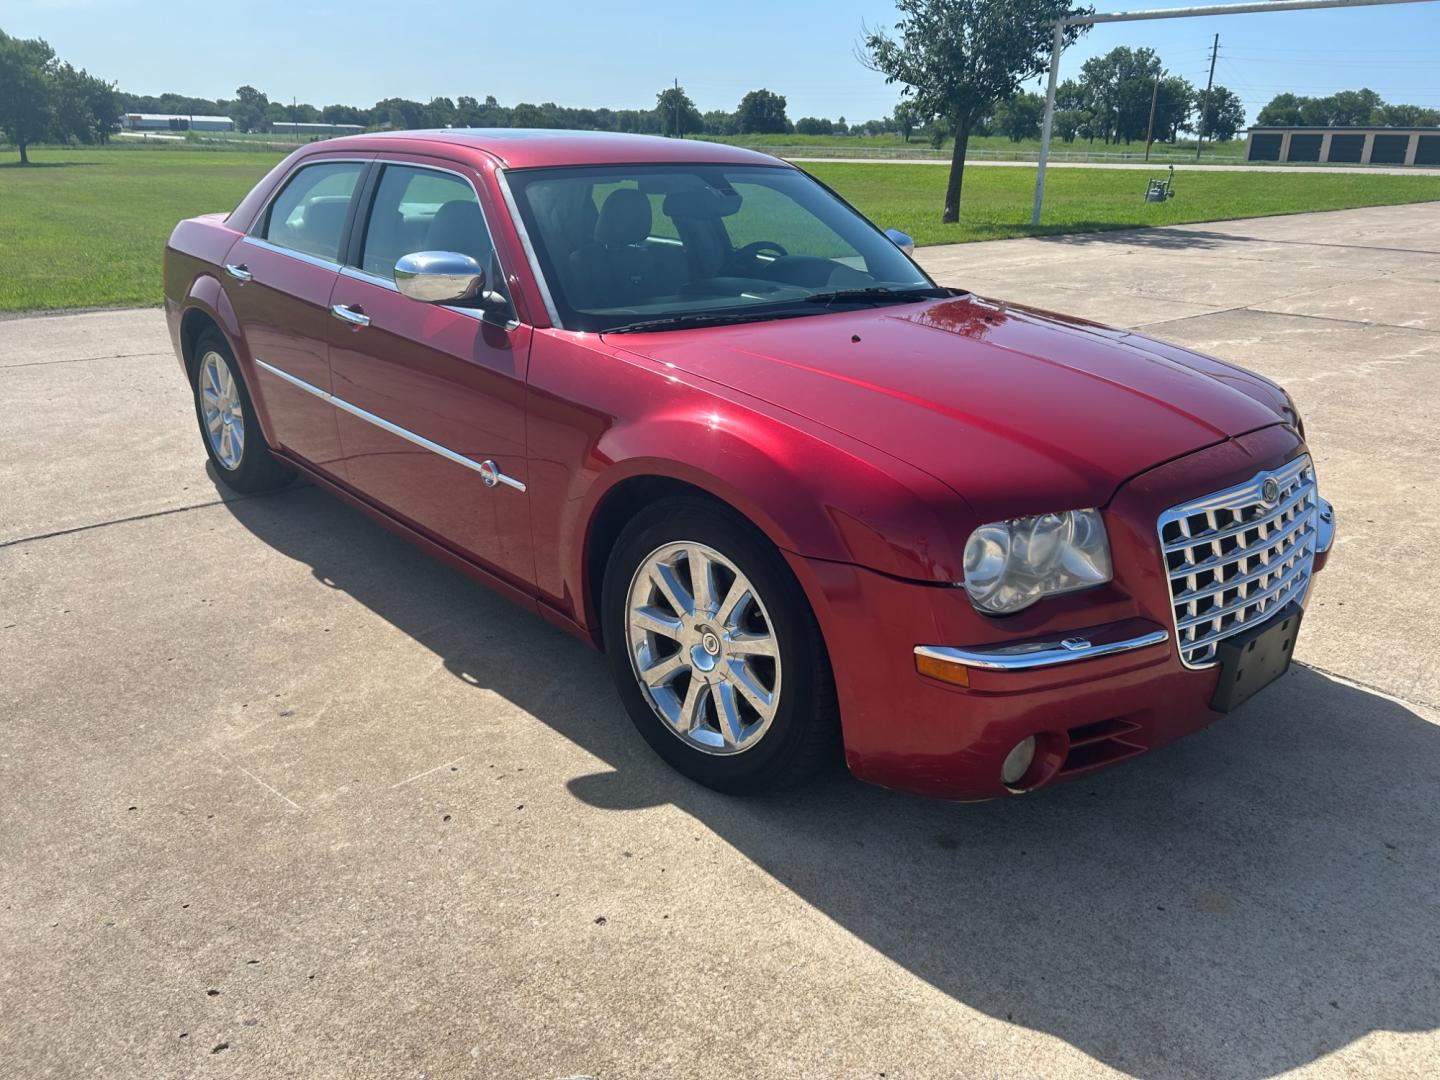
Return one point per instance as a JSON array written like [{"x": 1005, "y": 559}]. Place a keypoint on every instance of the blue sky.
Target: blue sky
[{"x": 567, "y": 51}]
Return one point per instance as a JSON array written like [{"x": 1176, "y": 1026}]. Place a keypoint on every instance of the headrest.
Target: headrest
[
  {"x": 325, "y": 217},
  {"x": 459, "y": 226},
  {"x": 624, "y": 219},
  {"x": 706, "y": 202}
]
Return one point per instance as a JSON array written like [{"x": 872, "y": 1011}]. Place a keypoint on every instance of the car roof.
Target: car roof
[{"x": 529, "y": 148}]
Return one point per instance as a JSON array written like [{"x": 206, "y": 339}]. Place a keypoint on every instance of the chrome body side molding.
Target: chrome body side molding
[{"x": 488, "y": 470}]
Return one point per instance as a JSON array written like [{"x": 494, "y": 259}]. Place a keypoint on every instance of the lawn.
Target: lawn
[{"x": 85, "y": 228}]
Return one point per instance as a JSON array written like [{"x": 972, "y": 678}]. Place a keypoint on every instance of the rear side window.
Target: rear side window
[
  {"x": 418, "y": 209},
  {"x": 309, "y": 215}
]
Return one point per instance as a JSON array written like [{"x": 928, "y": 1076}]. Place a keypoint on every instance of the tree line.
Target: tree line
[{"x": 1348, "y": 108}]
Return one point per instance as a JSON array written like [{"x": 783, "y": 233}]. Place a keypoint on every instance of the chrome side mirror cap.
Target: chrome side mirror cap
[
  {"x": 439, "y": 277},
  {"x": 901, "y": 240}
]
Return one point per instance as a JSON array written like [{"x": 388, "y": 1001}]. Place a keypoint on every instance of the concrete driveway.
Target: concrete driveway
[{"x": 279, "y": 796}]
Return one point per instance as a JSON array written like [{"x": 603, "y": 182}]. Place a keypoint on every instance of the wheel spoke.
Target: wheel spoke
[
  {"x": 727, "y": 711},
  {"x": 730, "y": 609},
  {"x": 213, "y": 422},
  {"x": 656, "y": 622},
  {"x": 752, "y": 645},
  {"x": 662, "y": 671},
  {"x": 692, "y": 709},
  {"x": 665, "y": 579},
  {"x": 743, "y": 679},
  {"x": 702, "y": 579}
]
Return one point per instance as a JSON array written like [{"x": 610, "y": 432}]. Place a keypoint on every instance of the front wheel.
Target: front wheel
[
  {"x": 227, "y": 421},
  {"x": 715, "y": 651}
]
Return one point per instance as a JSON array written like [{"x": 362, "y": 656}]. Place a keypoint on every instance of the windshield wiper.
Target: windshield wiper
[
  {"x": 877, "y": 294},
  {"x": 685, "y": 322}
]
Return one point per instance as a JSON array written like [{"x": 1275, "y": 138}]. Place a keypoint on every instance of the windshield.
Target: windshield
[{"x": 641, "y": 247}]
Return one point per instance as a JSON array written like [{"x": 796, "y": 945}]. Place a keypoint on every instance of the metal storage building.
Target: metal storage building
[
  {"x": 175, "y": 122},
  {"x": 1345, "y": 145}
]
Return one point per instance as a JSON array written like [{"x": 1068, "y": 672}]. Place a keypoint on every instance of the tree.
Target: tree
[
  {"x": 1119, "y": 85},
  {"x": 676, "y": 113},
  {"x": 1224, "y": 115},
  {"x": 1283, "y": 111},
  {"x": 1408, "y": 116},
  {"x": 906, "y": 118},
  {"x": 86, "y": 108},
  {"x": 1355, "y": 108},
  {"x": 1175, "y": 103},
  {"x": 762, "y": 112},
  {"x": 811, "y": 125},
  {"x": 1019, "y": 117},
  {"x": 957, "y": 58},
  {"x": 719, "y": 122},
  {"x": 248, "y": 108},
  {"x": 341, "y": 114},
  {"x": 27, "y": 91}
]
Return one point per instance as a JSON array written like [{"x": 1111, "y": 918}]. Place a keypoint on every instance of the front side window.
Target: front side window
[
  {"x": 644, "y": 246},
  {"x": 417, "y": 209},
  {"x": 309, "y": 215}
]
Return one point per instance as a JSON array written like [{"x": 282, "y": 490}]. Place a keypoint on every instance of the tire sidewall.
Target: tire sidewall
[{"x": 765, "y": 764}]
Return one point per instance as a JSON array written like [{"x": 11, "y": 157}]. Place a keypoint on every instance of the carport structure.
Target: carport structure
[{"x": 1058, "y": 44}]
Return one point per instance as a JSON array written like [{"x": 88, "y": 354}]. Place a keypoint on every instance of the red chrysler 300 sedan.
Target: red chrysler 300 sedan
[{"x": 684, "y": 401}]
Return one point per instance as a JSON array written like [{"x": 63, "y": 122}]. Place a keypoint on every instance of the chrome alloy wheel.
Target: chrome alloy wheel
[
  {"x": 703, "y": 648},
  {"x": 221, "y": 410}
]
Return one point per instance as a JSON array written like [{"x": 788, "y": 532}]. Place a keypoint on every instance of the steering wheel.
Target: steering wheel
[{"x": 745, "y": 258}]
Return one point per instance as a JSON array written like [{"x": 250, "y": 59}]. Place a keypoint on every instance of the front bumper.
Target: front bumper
[{"x": 1096, "y": 678}]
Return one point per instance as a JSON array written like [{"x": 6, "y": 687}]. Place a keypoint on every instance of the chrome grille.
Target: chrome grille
[{"x": 1235, "y": 558}]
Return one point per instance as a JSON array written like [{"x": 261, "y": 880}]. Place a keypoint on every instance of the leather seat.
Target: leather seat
[{"x": 616, "y": 269}]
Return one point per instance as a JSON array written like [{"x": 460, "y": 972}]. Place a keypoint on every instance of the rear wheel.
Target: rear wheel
[
  {"x": 715, "y": 651},
  {"x": 227, "y": 421}
]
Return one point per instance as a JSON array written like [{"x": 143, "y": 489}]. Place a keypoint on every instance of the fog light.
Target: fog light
[{"x": 1017, "y": 762}]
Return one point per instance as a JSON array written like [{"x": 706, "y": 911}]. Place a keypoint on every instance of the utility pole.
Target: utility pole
[
  {"x": 678, "y": 133},
  {"x": 1150, "y": 127},
  {"x": 1205, "y": 101}
]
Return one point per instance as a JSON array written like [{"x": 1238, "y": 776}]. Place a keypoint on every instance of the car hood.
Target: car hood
[{"x": 1019, "y": 411}]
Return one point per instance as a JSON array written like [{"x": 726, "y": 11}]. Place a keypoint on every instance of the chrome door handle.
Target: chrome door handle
[
  {"x": 352, "y": 315},
  {"x": 239, "y": 271}
]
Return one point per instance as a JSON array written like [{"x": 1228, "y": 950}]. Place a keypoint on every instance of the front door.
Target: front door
[
  {"x": 279, "y": 279},
  {"x": 432, "y": 423}
]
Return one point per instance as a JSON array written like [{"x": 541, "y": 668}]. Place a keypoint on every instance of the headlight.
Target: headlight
[{"x": 1011, "y": 564}]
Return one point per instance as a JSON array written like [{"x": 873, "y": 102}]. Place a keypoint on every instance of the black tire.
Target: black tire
[
  {"x": 803, "y": 736},
  {"x": 257, "y": 468}
]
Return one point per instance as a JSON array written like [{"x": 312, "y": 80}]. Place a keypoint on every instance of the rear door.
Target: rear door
[
  {"x": 279, "y": 279},
  {"x": 432, "y": 423}
]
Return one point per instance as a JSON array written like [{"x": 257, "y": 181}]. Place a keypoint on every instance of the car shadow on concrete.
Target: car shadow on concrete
[{"x": 1240, "y": 904}]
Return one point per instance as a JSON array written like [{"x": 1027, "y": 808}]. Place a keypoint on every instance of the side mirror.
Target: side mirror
[
  {"x": 901, "y": 240},
  {"x": 439, "y": 277}
]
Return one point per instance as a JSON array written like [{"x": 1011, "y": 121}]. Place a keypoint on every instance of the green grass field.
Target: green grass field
[{"x": 86, "y": 228}]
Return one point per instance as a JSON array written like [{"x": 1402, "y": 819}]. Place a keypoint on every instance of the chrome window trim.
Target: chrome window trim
[
  {"x": 1299, "y": 541},
  {"x": 519, "y": 223},
  {"x": 302, "y": 256},
  {"x": 1024, "y": 656},
  {"x": 487, "y": 469}
]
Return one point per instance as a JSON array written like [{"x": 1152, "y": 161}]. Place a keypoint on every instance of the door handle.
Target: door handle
[
  {"x": 239, "y": 271},
  {"x": 350, "y": 314}
]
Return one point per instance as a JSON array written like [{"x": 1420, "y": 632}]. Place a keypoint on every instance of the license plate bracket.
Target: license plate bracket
[{"x": 1253, "y": 659}]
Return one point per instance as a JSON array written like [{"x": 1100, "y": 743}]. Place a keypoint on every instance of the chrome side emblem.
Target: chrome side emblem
[
  {"x": 1270, "y": 491},
  {"x": 490, "y": 473}
]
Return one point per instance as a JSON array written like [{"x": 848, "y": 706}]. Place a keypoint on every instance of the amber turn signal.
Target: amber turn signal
[{"x": 944, "y": 670}]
